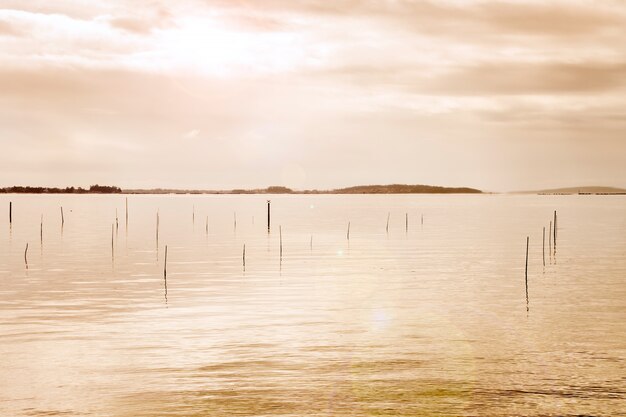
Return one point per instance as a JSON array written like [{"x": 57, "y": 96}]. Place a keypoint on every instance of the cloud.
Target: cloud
[
  {"x": 7, "y": 29},
  {"x": 559, "y": 18},
  {"x": 59, "y": 39},
  {"x": 259, "y": 22},
  {"x": 192, "y": 134},
  {"x": 551, "y": 18},
  {"x": 531, "y": 78},
  {"x": 130, "y": 24},
  {"x": 161, "y": 18},
  {"x": 488, "y": 78}
]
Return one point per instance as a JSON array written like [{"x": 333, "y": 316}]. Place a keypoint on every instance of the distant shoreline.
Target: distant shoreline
[
  {"x": 361, "y": 189},
  {"x": 615, "y": 193},
  {"x": 581, "y": 190},
  {"x": 279, "y": 190}
]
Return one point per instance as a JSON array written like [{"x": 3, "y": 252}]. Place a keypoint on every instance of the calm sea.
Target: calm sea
[{"x": 427, "y": 318}]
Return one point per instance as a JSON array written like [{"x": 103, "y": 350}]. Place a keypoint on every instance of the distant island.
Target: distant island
[
  {"x": 405, "y": 189},
  {"x": 360, "y": 189},
  {"x": 586, "y": 190}
]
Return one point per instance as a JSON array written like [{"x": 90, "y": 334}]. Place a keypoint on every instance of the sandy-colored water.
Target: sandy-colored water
[{"x": 429, "y": 321}]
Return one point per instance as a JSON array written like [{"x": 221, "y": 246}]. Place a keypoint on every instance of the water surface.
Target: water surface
[{"x": 429, "y": 319}]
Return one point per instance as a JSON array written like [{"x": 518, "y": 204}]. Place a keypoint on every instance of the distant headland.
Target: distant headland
[
  {"x": 360, "y": 189},
  {"x": 584, "y": 190}
]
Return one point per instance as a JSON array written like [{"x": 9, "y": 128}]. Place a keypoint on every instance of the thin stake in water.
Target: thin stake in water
[
  {"x": 280, "y": 234},
  {"x": 206, "y": 226},
  {"x": 406, "y": 222},
  {"x": 550, "y": 241},
  {"x": 244, "y": 257},
  {"x": 112, "y": 247},
  {"x": 554, "y": 231},
  {"x": 387, "y": 227},
  {"x": 62, "y": 218},
  {"x": 348, "y": 234},
  {"x": 165, "y": 274},
  {"x": 157, "y": 229},
  {"x": 268, "y": 215},
  {"x": 526, "y": 273},
  {"x": 25, "y": 256},
  {"x": 543, "y": 247},
  {"x": 41, "y": 230},
  {"x": 311, "y": 243},
  {"x": 10, "y": 212},
  {"x": 165, "y": 266}
]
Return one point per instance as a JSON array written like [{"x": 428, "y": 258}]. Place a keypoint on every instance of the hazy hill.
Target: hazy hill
[
  {"x": 404, "y": 189},
  {"x": 583, "y": 190}
]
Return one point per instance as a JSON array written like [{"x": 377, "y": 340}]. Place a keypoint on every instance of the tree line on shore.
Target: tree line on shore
[{"x": 94, "y": 189}]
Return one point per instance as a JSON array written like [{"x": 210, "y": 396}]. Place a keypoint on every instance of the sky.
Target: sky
[{"x": 219, "y": 94}]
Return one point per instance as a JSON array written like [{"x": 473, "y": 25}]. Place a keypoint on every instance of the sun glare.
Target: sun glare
[{"x": 208, "y": 46}]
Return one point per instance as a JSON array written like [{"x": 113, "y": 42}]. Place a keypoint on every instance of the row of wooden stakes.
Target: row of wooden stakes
[{"x": 552, "y": 247}]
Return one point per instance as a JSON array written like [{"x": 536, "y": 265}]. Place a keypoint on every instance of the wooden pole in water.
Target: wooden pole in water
[
  {"x": 235, "y": 220},
  {"x": 422, "y": 220},
  {"x": 206, "y": 227},
  {"x": 112, "y": 248},
  {"x": 348, "y": 234},
  {"x": 193, "y": 214},
  {"x": 526, "y": 273},
  {"x": 550, "y": 240},
  {"x": 62, "y": 218},
  {"x": 25, "y": 258},
  {"x": 165, "y": 268},
  {"x": 406, "y": 222},
  {"x": 387, "y": 227},
  {"x": 157, "y": 229},
  {"x": 280, "y": 233},
  {"x": 10, "y": 212},
  {"x": 244, "y": 256},
  {"x": 554, "y": 231},
  {"x": 311, "y": 243},
  {"x": 117, "y": 223},
  {"x": 41, "y": 230},
  {"x": 268, "y": 215},
  {"x": 543, "y": 247},
  {"x": 165, "y": 275}
]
